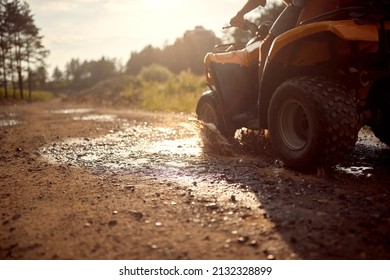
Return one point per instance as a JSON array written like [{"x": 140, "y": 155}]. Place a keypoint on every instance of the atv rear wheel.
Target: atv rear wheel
[{"x": 312, "y": 122}]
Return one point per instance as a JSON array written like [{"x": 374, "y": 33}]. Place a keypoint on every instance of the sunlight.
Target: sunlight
[{"x": 159, "y": 5}]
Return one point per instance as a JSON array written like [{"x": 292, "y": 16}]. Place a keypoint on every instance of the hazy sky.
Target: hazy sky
[{"x": 90, "y": 29}]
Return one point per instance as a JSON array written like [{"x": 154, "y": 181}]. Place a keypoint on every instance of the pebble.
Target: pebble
[
  {"x": 270, "y": 257},
  {"x": 129, "y": 188},
  {"x": 158, "y": 224},
  {"x": 212, "y": 206},
  {"x": 112, "y": 223},
  {"x": 137, "y": 215},
  {"x": 242, "y": 239}
]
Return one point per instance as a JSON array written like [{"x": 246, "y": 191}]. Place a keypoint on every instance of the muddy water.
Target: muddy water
[
  {"x": 9, "y": 119},
  {"x": 180, "y": 153},
  {"x": 344, "y": 215},
  {"x": 176, "y": 152}
]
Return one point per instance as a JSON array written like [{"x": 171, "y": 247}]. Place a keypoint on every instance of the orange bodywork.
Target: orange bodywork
[
  {"x": 312, "y": 50},
  {"x": 244, "y": 57},
  {"x": 313, "y": 8},
  {"x": 346, "y": 30}
]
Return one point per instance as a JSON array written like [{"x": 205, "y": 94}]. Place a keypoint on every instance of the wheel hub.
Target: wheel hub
[{"x": 294, "y": 125}]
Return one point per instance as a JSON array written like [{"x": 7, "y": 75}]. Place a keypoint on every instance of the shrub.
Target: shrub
[
  {"x": 155, "y": 73},
  {"x": 179, "y": 93}
]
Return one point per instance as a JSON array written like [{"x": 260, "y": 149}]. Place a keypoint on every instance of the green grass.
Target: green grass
[
  {"x": 36, "y": 95},
  {"x": 178, "y": 93}
]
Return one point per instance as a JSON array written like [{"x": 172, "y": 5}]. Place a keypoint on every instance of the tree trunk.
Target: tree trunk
[
  {"x": 18, "y": 59},
  {"x": 2, "y": 52},
  {"x": 20, "y": 81},
  {"x": 29, "y": 78},
  {"x": 4, "y": 76}
]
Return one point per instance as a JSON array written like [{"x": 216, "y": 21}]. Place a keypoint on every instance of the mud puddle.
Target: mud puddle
[
  {"x": 174, "y": 154},
  {"x": 190, "y": 152},
  {"x": 9, "y": 119}
]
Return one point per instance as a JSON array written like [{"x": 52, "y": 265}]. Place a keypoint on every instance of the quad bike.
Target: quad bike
[{"x": 322, "y": 81}]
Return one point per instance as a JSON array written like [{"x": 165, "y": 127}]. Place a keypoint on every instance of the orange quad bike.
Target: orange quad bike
[{"x": 322, "y": 81}]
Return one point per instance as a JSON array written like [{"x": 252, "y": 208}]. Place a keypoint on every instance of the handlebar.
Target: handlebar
[{"x": 252, "y": 27}]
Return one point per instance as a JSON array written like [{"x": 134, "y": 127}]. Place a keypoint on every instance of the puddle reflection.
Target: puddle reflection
[
  {"x": 133, "y": 149},
  {"x": 9, "y": 122},
  {"x": 99, "y": 118},
  {"x": 9, "y": 119},
  {"x": 72, "y": 111},
  {"x": 357, "y": 170}
]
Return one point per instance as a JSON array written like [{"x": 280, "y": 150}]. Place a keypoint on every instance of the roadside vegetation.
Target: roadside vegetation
[
  {"x": 35, "y": 95},
  {"x": 157, "y": 89}
]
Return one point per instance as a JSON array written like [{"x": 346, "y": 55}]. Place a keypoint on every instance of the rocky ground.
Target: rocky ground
[{"x": 91, "y": 183}]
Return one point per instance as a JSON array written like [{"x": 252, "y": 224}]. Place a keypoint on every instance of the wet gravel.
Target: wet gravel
[{"x": 343, "y": 214}]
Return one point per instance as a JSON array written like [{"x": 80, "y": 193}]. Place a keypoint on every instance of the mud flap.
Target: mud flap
[{"x": 237, "y": 86}]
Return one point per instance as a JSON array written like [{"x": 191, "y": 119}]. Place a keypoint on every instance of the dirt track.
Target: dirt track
[{"x": 96, "y": 183}]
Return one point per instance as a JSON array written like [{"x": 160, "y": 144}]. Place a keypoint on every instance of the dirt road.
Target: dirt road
[{"x": 94, "y": 183}]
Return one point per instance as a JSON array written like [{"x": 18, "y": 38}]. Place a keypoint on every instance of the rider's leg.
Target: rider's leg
[
  {"x": 286, "y": 20},
  {"x": 264, "y": 48}
]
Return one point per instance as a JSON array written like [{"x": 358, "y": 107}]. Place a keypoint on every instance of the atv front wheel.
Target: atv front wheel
[
  {"x": 207, "y": 110},
  {"x": 312, "y": 122}
]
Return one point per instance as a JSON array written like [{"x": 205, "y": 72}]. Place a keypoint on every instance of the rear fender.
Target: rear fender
[
  {"x": 309, "y": 45},
  {"x": 347, "y": 30}
]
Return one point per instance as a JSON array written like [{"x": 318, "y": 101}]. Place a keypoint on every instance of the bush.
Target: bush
[
  {"x": 155, "y": 73},
  {"x": 179, "y": 93}
]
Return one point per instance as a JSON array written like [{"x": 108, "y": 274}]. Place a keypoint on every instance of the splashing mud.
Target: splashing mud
[{"x": 213, "y": 141}]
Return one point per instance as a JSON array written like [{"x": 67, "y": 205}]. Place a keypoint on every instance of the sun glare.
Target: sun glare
[{"x": 161, "y": 5}]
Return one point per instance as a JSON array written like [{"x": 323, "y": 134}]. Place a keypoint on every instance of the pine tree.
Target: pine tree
[{"x": 21, "y": 46}]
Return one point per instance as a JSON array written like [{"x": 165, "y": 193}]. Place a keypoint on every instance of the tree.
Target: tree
[
  {"x": 146, "y": 57},
  {"x": 21, "y": 45},
  {"x": 186, "y": 53},
  {"x": 189, "y": 51},
  {"x": 72, "y": 70},
  {"x": 80, "y": 75},
  {"x": 57, "y": 75},
  {"x": 101, "y": 69}
]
